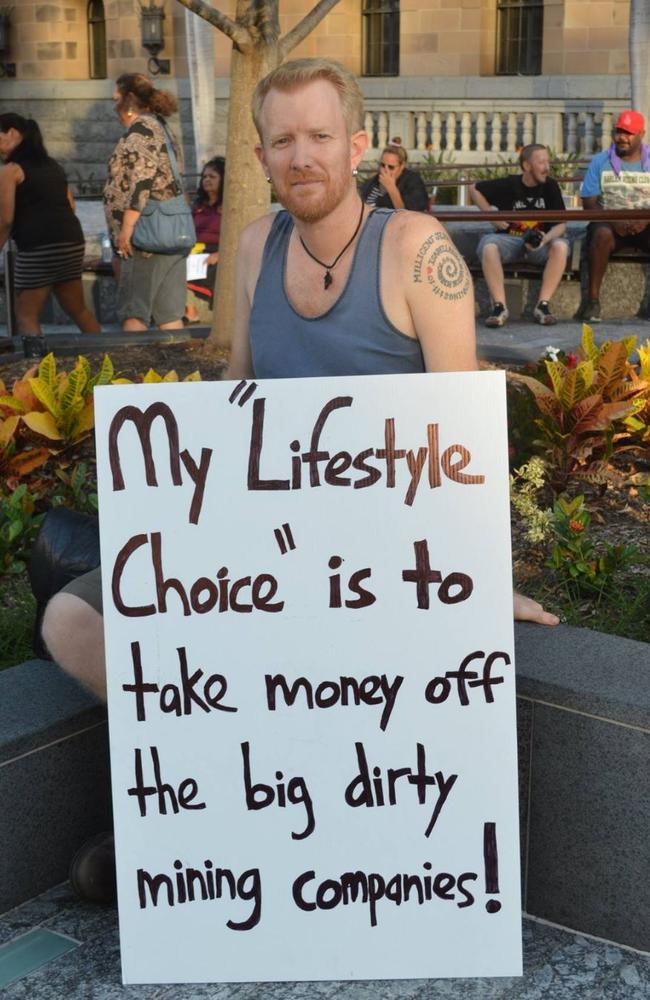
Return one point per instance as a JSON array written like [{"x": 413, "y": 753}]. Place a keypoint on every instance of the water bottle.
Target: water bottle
[{"x": 107, "y": 249}]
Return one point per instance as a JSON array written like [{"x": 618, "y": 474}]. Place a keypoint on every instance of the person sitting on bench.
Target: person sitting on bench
[
  {"x": 533, "y": 242},
  {"x": 619, "y": 177}
]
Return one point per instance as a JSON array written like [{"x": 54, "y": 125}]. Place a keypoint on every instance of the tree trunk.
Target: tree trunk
[
  {"x": 247, "y": 194},
  {"x": 257, "y": 49},
  {"x": 639, "y": 58}
]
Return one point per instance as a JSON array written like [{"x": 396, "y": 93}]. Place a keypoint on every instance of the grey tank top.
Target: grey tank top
[{"x": 354, "y": 336}]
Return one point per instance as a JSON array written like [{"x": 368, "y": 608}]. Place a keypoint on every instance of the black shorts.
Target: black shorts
[
  {"x": 87, "y": 587},
  {"x": 639, "y": 241}
]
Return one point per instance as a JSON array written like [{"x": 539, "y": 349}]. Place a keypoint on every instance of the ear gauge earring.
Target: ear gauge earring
[{"x": 354, "y": 171}]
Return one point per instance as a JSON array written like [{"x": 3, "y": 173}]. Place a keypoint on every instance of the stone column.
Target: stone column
[
  {"x": 200, "y": 61},
  {"x": 548, "y": 130}
]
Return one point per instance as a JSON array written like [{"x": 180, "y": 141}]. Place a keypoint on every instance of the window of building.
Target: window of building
[
  {"x": 520, "y": 25},
  {"x": 380, "y": 20},
  {"x": 96, "y": 40}
]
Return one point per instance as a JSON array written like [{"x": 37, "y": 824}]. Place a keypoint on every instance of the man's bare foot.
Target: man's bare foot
[{"x": 528, "y": 610}]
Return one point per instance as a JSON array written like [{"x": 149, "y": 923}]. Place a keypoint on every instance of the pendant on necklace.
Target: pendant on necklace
[{"x": 327, "y": 280}]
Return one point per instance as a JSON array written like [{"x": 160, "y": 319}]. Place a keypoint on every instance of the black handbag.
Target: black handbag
[{"x": 166, "y": 227}]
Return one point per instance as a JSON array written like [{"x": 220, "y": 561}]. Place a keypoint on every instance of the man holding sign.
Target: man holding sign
[
  {"x": 361, "y": 293},
  {"x": 397, "y": 296}
]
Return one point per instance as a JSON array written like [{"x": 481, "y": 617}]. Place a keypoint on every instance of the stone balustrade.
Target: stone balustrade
[
  {"x": 472, "y": 119},
  {"x": 489, "y": 129}
]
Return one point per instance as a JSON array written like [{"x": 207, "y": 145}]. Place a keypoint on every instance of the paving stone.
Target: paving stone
[
  {"x": 558, "y": 965},
  {"x": 50, "y": 905}
]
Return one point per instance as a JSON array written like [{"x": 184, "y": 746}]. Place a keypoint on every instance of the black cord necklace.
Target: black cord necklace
[{"x": 328, "y": 279}]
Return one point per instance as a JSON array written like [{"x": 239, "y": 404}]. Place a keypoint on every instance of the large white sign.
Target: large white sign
[{"x": 307, "y": 594}]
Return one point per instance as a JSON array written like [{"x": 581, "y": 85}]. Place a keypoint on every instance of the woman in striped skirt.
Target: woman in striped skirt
[{"x": 37, "y": 211}]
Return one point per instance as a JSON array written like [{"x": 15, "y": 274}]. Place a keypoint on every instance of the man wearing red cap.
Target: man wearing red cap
[{"x": 619, "y": 177}]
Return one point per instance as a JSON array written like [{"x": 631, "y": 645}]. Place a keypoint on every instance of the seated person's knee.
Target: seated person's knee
[
  {"x": 66, "y": 623},
  {"x": 559, "y": 247},
  {"x": 490, "y": 250},
  {"x": 602, "y": 237}
]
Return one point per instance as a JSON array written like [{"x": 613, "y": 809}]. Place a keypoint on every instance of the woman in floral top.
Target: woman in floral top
[{"x": 151, "y": 289}]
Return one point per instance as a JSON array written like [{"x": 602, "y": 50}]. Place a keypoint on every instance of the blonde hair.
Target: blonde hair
[
  {"x": 395, "y": 150},
  {"x": 299, "y": 72}
]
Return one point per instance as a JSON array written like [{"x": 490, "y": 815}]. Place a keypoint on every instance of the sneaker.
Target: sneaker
[
  {"x": 498, "y": 316},
  {"x": 592, "y": 311},
  {"x": 92, "y": 872},
  {"x": 543, "y": 314}
]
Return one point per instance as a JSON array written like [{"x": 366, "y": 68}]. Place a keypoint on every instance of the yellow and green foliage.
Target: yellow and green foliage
[
  {"x": 15, "y": 461},
  {"x": 638, "y": 423},
  {"x": 152, "y": 376},
  {"x": 45, "y": 420},
  {"x": 586, "y": 405},
  {"x": 58, "y": 405}
]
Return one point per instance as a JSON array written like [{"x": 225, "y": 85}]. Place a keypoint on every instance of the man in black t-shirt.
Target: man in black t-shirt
[{"x": 535, "y": 242}]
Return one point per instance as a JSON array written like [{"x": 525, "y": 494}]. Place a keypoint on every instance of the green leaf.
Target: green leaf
[
  {"x": 45, "y": 394},
  {"x": 83, "y": 366},
  {"x": 105, "y": 374},
  {"x": 73, "y": 395},
  {"x": 47, "y": 371}
]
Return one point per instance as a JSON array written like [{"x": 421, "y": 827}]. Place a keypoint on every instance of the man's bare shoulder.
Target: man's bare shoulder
[
  {"x": 250, "y": 251},
  {"x": 429, "y": 289},
  {"x": 253, "y": 237},
  {"x": 408, "y": 231}
]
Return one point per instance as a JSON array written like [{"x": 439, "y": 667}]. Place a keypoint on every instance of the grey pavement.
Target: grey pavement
[
  {"x": 516, "y": 343},
  {"x": 558, "y": 965},
  {"x": 524, "y": 340}
]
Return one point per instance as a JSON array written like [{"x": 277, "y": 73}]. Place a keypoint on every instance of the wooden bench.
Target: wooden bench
[{"x": 574, "y": 265}]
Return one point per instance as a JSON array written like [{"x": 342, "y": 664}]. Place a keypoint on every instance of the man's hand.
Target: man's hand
[
  {"x": 389, "y": 184},
  {"x": 387, "y": 180},
  {"x": 527, "y": 610},
  {"x": 629, "y": 227}
]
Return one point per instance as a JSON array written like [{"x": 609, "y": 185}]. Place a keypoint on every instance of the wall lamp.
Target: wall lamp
[
  {"x": 153, "y": 37},
  {"x": 6, "y": 68}
]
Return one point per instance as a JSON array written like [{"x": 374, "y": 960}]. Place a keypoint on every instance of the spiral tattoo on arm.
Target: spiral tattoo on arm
[{"x": 439, "y": 264}]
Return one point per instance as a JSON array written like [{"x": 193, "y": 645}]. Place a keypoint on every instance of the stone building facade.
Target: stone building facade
[{"x": 438, "y": 49}]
